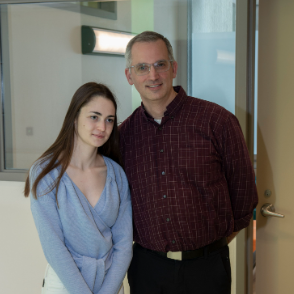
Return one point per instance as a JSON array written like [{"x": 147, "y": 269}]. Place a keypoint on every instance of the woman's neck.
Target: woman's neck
[{"x": 85, "y": 158}]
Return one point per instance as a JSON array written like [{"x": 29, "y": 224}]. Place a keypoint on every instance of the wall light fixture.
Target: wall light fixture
[{"x": 102, "y": 41}]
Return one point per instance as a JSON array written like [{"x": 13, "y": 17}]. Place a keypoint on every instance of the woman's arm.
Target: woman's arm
[
  {"x": 122, "y": 235},
  {"x": 49, "y": 227}
]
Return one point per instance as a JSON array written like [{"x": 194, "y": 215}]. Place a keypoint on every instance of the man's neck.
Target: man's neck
[{"x": 157, "y": 108}]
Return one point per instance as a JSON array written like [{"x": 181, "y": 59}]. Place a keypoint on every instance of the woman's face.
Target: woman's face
[{"x": 95, "y": 122}]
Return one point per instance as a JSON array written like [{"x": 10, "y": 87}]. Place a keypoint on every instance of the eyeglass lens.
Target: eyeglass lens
[{"x": 144, "y": 68}]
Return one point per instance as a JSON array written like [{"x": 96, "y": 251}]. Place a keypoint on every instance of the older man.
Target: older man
[{"x": 190, "y": 175}]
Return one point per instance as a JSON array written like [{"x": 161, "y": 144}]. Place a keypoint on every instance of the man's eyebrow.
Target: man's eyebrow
[
  {"x": 154, "y": 62},
  {"x": 98, "y": 113}
]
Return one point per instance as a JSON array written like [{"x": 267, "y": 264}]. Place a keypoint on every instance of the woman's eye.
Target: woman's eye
[
  {"x": 93, "y": 117},
  {"x": 110, "y": 120}
]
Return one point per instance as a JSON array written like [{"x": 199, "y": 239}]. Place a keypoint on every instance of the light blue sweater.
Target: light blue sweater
[{"x": 90, "y": 249}]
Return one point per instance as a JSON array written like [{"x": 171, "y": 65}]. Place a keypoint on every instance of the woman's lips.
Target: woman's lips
[{"x": 99, "y": 136}]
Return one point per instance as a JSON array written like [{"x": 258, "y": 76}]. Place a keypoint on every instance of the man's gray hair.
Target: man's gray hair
[{"x": 147, "y": 36}]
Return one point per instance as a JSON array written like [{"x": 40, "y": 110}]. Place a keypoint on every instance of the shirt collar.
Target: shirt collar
[{"x": 173, "y": 108}]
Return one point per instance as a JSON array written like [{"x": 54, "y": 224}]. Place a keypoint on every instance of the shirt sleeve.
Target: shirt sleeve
[
  {"x": 122, "y": 236},
  {"x": 239, "y": 174},
  {"x": 49, "y": 227}
]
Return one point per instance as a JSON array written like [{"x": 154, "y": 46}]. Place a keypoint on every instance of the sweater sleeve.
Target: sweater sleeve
[
  {"x": 122, "y": 236},
  {"x": 49, "y": 227}
]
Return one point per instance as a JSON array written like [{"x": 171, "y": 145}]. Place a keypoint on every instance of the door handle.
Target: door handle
[{"x": 268, "y": 209}]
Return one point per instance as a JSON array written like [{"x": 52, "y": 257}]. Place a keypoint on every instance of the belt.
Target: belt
[{"x": 190, "y": 254}]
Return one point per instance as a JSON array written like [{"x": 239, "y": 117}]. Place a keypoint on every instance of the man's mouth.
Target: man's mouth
[{"x": 153, "y": 86}]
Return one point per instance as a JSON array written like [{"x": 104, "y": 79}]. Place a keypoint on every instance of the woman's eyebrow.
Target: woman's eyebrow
[{"x": 98, "y": 113}]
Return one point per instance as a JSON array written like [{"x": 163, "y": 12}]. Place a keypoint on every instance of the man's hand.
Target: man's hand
[{"x": 232, "y": 236}]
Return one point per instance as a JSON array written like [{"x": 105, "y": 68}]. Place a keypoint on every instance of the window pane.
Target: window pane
[
  {"x": 213, "y": 51},
  {"x": 43, "y": 65}
]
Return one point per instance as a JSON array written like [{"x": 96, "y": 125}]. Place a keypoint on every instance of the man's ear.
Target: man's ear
[
  {"x": 129, "y": 76},
  {"x": 175, "y": 68}
]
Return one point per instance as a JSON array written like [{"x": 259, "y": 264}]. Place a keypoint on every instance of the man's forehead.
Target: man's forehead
[{"x": 153, "y": 51}]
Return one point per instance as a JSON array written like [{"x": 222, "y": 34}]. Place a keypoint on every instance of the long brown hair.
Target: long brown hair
[{"x": 60, "y": 152}]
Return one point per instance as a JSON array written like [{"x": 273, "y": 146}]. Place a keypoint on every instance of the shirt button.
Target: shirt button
[
  {"x": 164, "y": 196},
  {"x": 167, "y": 219},
  {"x": 163, "y": 173},
  {"x": 173, "y": 241},
  {"x": 172, "y": 117},
  {"x": 160, "y": 128},
  {"x": 161, "y": 150}
]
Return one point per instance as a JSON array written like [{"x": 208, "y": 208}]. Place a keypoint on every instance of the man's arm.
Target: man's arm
[{"x": 239, "y": 174}]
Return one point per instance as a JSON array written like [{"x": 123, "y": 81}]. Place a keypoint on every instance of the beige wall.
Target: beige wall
[{"x": 23, "y": 263}]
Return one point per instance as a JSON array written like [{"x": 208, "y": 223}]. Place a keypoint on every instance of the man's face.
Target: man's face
[{"x": 152, "y": 86}]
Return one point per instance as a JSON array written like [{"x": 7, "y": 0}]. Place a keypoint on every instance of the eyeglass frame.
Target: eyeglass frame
[{"x": 149, "y": 66}]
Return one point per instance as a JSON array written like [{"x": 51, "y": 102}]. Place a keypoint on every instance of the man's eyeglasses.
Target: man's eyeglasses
[{"x": 142, "y": 69}]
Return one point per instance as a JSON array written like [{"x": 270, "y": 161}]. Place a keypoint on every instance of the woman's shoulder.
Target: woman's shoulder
[
  {"x": 114, "y": 169},
  {"x": 47, "y": 179},
  {"x": 108, "y": 161}
]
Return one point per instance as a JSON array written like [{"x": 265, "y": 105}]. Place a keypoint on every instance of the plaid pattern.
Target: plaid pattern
[{"x": 190, "y": 177}]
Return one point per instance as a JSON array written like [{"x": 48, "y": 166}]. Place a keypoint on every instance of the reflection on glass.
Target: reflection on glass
[
  {"x": 42, "y": 68},
  {"x": 213, "y": 51},
  {"x": 43, "y": 64}
]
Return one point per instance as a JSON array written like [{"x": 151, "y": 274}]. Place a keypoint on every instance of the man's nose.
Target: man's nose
[{"x": 153, "y": 74}]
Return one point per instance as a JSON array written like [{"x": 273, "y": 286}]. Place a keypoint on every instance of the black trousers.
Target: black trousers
[{"x": 150, "y": 273}]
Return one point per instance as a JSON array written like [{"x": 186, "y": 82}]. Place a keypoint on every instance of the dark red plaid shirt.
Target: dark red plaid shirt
[{"x": 190, "y": 177}]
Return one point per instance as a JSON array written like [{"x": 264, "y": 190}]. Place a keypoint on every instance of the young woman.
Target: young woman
[{"x": 80, "y": 200}]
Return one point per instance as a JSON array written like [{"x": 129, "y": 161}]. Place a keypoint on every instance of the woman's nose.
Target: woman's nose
[{"x": 101, "y": 126}]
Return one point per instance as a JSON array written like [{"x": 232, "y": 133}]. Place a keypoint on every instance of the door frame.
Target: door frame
[{"x": 244, "y": 111}]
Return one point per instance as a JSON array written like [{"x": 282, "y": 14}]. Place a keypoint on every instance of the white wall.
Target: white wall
[{"x": 23, "y": 263}]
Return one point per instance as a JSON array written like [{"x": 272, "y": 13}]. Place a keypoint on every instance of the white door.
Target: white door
[{"x": 275, "y": 150}]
